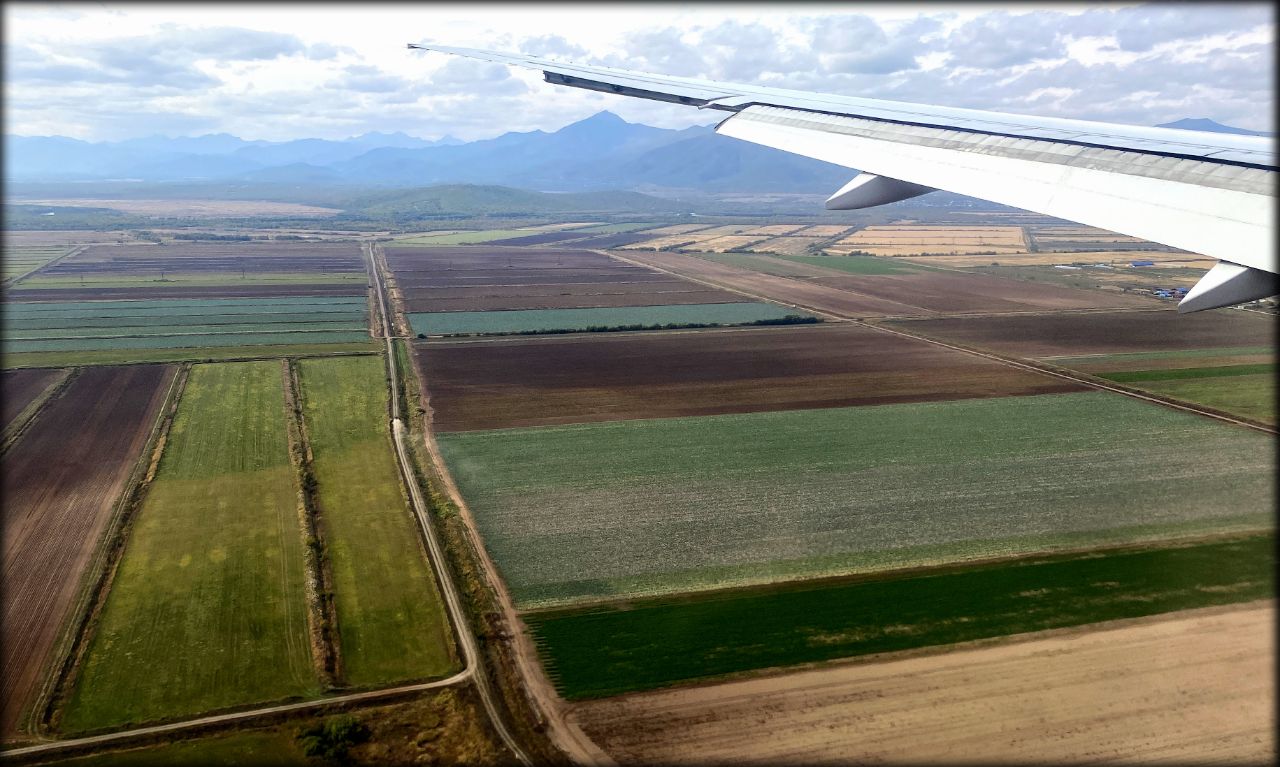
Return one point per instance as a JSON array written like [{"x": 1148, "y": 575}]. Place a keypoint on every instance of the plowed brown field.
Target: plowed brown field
[
  {"x": 1104, "y": 332},
  {"x": 61, "y": 480},
  {"x": 1192, "y": 688},
  {"x": 406, "y": 260},
  {"x": 963, "y": 292},
  {"x": 603, "y": 377},
  {"x": 564, "y": 299},
  {"x": 19, "y": 387},
  {"x": 212, "y": 291}
]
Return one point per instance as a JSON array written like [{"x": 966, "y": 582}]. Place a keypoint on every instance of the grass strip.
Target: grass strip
[
  {"x": 1171, "y": 374},
  {"x": 390, "y": 616},
  {"x": 204, "y": 354},
  {"x": 653, "y": 643}
]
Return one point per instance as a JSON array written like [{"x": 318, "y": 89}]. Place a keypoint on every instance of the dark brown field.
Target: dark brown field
[
  {"x": 541, "y": 239},
  {"x": 464, "y": 278},
  {"x": 803, "y": 293},
  {"x": 208, "y": 291},
  {"x": 1103, "y": 332},
  {"x": 606, "y": 377},
  {"x": 254, "y": 257},
  {"x": 61, "y": 480},
  {"x": 19, "y": 387},
  {"x": 572, "y": 300},
  {"x": 403, "y": 260},
  {"x": 612, "y": 240}
]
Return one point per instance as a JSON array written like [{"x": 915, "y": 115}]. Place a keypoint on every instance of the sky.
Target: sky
[{"x": 103, "y": 71}]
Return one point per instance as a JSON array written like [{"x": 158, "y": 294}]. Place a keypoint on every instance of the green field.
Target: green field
[
  {"x": 653, "y": 506},
  {"x": 1171, "y": 374},
  {"x": 197, "y": 354},
  {"x": 355, "y": 324},
  {"x": 465, "y": 238},
  {"x": 391, "y": 621},
  {"x": 1252, "y": 396},
  {"x": 185, "y": 306},
  {"x": 652, "y": 643},
  {"x": 208, "y": 609},
  {"x": 181, "y": 322},
  {"x": 262, "y": 748},
  {"x": 182, "y": 340},
  {"x": 515, "y": 321},
  {"x": 20, "y": 260}
]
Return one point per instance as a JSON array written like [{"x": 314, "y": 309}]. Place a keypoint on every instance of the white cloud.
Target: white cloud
[{"x": 286, "y": 71}]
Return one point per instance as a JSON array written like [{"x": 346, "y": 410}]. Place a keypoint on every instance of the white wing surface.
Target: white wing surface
[{"x": 1207, "y": 193}]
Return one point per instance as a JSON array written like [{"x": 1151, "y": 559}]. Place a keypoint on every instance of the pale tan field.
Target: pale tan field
[
  {"x": 660, "y": 242},
  {"x": 775, "y": 230},
  {"x": 920, "y": 249},
  {"x": 823, "y": 230},
  {"x": 676, "y": 229},
  {"x": 728, "y": 229},
  {"x": 1190, "y": 687},
  {"x": 787, "y": 246},
  {"x": 194, "y": 207},
  {"x": 721, "y": 244},
  {"x": 1119, "y": 259},
  {"x": 556, "y": 227}
]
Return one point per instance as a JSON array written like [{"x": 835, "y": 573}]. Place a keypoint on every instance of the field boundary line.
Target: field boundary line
[
  {"x": 231, "y": 718},
  {"x": 74, "y": 251},
  {"x": 472, "y": 661},
  {"x": 23, "y": 420},
  {"x": 573, "y": 742},
  {"x": 824, "y": 313},
  {"x": 322, "y": 618},
  {"x": 81, "y": 623}
]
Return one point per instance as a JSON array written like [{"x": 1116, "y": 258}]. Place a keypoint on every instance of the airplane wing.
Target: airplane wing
[{"x": 1208, "y": 193}]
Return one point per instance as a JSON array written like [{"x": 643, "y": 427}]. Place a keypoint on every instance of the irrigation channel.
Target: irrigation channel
[{"x": 473, "y": 667}]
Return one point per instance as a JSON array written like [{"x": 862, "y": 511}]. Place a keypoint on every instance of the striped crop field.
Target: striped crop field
[
  {"x": 85, "y": 326},
  {"x": 208, "y": 608},
  {"x": 596, "y": 510},
  {"x": 544, "y": 320}
]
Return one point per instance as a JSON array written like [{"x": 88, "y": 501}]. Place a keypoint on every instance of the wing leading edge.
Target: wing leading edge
[{"x": 1207, "y": 193}]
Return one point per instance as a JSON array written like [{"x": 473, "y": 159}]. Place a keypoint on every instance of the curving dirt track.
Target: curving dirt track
[
  {"x": 61, "y": 481},
  {"x": 1192, "y": 687}
]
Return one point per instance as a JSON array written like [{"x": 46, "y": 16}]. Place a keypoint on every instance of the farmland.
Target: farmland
[
  {"x": 652, "y": 643},
  {"x": 391, "y": 621},
  {"x": 207, "y": 609},
  {"x": 609, "y": 377},
  {"x": 61, "y": 482},
  {"x": 19, "y": 388},
  {"x": 21, "y": 260},
  {"x": 538, "y": 320},
  {"x": 193, "y": 325},
  {"x": 1103, "y": 691},
  {"x": 622, "y": 508}
]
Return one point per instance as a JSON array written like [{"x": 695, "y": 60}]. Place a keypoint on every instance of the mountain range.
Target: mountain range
[{"x": 602, "y": 152}]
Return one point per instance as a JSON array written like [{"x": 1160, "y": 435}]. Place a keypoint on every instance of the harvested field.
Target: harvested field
[
  {"x": 603, "y": 377},
  {"x": 1049, "y": 336},
  {"x": 721, "y": 244},
  {"x": 616, "y": 228},
  {"x": 211, "y": 208},
  {"x": 678, "y": 229},
  {"x": 1101, "y": 693},
  {"x": 208, "y": 608},
  {"x": 433, "y": 239},
  {"x": 391, "y": 621},
  {"x": 726, "y": 229},
  {"x": 788, "y": 246},
  {"x": 18, "y": 261},
  {"x": 815, "y": 266},
  {"x": 19, "y": 388},
  {"x": 822, "y": 230},
  {"x": 670, "y": 241},
  {"x": 596, "y": 510},
  {"x": 948, "y": 292},
  {"x": 61, "y": 481},
  {"x": 803, "y": 294},
  {"x": 520, "y": 321},
  {"x": 1069, "y": 258},
  {"x": 774, "y": 230},
  {"x": 611, "y": 241},
  {"x": 642, "y": 644},
  {"x": 942, "y": 239}
]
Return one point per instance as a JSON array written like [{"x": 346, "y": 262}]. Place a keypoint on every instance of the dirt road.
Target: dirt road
[{"x": 1194, "y": 687}]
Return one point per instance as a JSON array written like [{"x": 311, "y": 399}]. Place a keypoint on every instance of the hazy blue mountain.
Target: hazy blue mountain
[
  {"x": 1205, "y": 124},
  {"x": 599, "y": 153}
]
